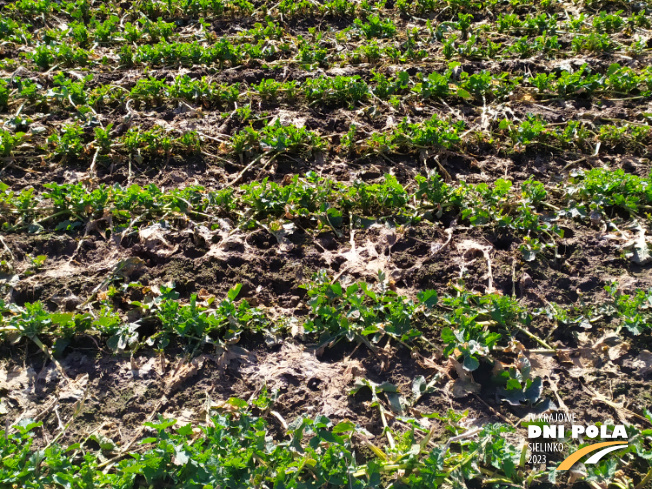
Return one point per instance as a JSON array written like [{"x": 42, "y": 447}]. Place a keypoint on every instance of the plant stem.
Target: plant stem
[{"x": 646, "y": 479}]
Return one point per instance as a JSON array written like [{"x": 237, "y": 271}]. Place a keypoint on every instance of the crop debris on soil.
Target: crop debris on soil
[{"x": 323, "y": 243}]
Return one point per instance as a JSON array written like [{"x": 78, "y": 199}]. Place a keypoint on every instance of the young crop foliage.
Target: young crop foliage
[{"x": 357, "y": 312}]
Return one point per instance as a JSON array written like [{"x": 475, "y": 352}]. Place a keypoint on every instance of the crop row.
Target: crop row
[
  {"x": 144, "y": 30},
  {"x": 329, "y": 91},
  {"x": 474, "y": 329},
  {"x": 83, "y": 10},
  {"x": 321, "y": 203},
  {"x": 224, "y": 53},
  {"x": 74, "y": 144},
  {"x": 237, "y": 449},
  {"x": 71, "y": 47},
  {"x": 110, "y": 18}
]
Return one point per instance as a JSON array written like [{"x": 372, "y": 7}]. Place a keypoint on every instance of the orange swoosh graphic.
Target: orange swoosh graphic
[{"x": 568, "y": 463}]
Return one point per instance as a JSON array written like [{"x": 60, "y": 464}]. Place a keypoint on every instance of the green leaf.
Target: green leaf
[
  {"x": 113, "y": 342},
  {"x": 528, "y": 253},
  {"x": 59, "y": 346},
  {"x": 26, "y": 425},
  {"x": 352, "y": 289},
  {"x": 162, "y": 425},
  {"x": 233, "y": 293},
  {"x": 63, "y": 225},
  {"x": 508, "y": 467},
  {"x": 533, "y": 392},
  {"x": 64, "y": 480},
  {"x": 513, "y": 384},
  {"x": 344, "y": 427},
  {"x": 104, "y": 442},
  {"x": 61, "y": 318},
  {"x": 35, "y": 228},
  {"x": 237, "y": 402},
  {"x": 463, "y": 93},
  {"x": 181, "y": 457},
  {"x": 334, "y": 217},
  {"x": 185, "y": 430},
  {"x": 394, "y": 402},
  {"x": 428, "y": 298},
  {"x": 336, "y": 289},
  {"x": 447, "y": 335},
  {"x": 386, "y": 387},
  {"x": 514, "y": 396},
  {"x": 369, "y": 330},
  {"x": 418, "y": 385},
  {"x": 321, "y": 421},
  {"x": 470, "y": 363},
  {"x": 371, "y": 294}
]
